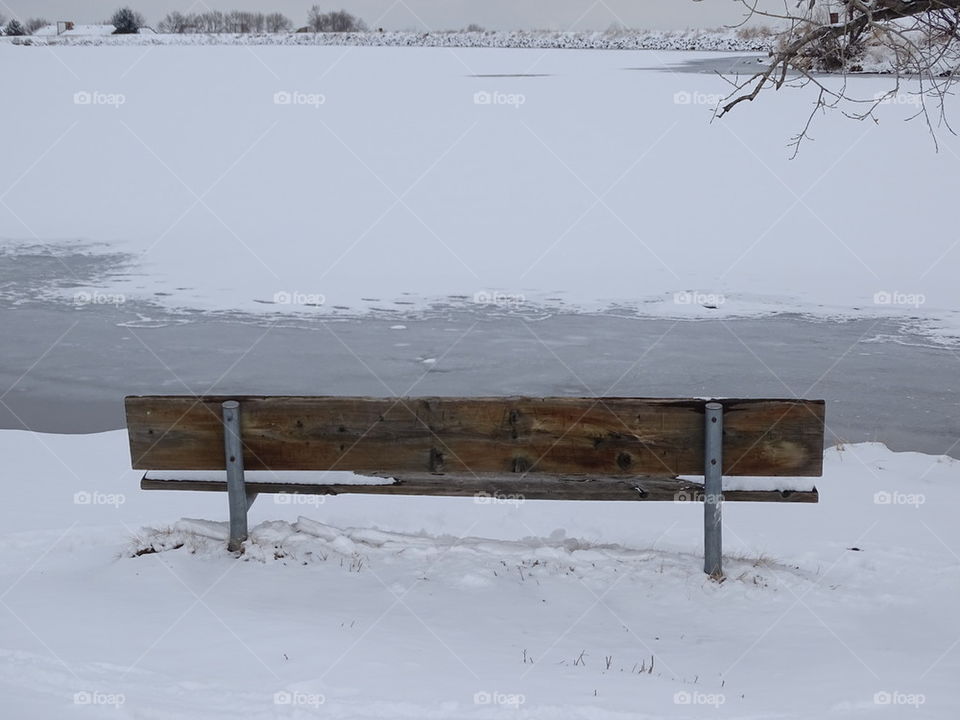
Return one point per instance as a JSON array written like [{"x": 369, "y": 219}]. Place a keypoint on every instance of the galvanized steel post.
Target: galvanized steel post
[
  {"x": 236, "y": 489},
  {"x": 713, "y": 490}
]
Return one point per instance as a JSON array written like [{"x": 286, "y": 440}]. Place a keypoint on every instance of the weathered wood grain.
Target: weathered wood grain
[
  {"x": 499, "y": 489},
  {"x": 603, "y": 437}
]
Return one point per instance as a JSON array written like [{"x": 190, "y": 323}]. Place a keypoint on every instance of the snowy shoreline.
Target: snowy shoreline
[
  {"x": 696, "y": 40},
  {"x": 566, "y": 601}
]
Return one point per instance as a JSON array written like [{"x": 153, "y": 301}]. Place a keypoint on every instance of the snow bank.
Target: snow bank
[{"x": 436, "y": 608}]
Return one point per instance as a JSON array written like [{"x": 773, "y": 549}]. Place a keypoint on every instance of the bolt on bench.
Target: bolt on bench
[{"x": 534, "y": 448}]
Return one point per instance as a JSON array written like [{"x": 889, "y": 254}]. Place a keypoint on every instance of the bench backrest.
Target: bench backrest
[{"x": 596, "y": 436}]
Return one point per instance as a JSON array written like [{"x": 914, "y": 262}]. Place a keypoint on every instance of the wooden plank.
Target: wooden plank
[
  {"x": 605, "y": 437},
  {"x": 491, "y": 489}
]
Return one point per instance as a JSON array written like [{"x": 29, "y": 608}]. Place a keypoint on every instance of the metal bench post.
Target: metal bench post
[
  {"x": 713, "y": 490},
  {"x": 236, "y": 488}
]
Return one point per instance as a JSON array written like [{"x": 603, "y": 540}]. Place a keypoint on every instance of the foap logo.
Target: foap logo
[
  {"x": 95, "y": 97},
  {"x": 98, "y": 498},
  {"x": 684, "y": 97},
  {"x": 894, "y": 97},
  {"x": 886, "y": 297},
  {"x": 99, "y": 698},
  {"x": 684, "y": 697},
  {"x": 708, "y": 300},
  {"x": 296, "y": 97},
  {"x": 299, "y": 699},
  {"x": 692, "y": 495},
  {"x": 500, "y": 299},
  {"x": 511, "y": 700},
  {"x": 898, "y": 498},
  {"x": 498, "y": 498},
  {"x": 895, "y": 697},
  {"x": 285, "y": 498},
  {"x": 495, "y": 97},
  {"x": 95, "y": 297},
  {"x": 283, "y": 297}
]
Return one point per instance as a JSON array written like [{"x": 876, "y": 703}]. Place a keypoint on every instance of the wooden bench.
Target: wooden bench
[{"x": 517, "y": 447}]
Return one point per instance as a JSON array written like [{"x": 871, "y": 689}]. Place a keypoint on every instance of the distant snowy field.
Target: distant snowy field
[
  {"x": 349, "y": 180},
  {"x": 361, "y": 607}
]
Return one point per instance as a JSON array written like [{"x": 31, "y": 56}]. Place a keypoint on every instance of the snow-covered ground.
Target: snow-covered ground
[
  {"x": 111, "y": 605},
  {"x": 348, "y": 180}
]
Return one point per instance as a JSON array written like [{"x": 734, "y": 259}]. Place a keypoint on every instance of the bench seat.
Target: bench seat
[{"x": 481, "y": 485}]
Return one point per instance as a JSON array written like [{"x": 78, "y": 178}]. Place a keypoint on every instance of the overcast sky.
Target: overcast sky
[{"x": 422, "y": 14}]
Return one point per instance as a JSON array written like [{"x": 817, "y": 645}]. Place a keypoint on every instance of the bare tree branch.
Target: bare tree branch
[{"x": 917, "y": 40}]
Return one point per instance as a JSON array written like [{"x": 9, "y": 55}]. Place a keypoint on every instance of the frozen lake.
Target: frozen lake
[
  {"x": 271, "y": 237},
  {"x": 880, "y": 383},
  {"x": 371, "y": 177}
]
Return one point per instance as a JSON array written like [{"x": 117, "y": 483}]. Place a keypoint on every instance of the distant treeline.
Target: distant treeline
[
  {"x": 238, "y": 21},
  {"x": 127, "y": 21}
]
